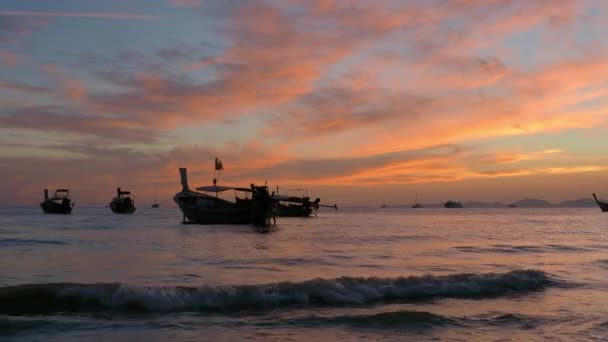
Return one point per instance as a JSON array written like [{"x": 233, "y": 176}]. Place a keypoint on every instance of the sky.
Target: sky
[{"x": 361, "y": 102}]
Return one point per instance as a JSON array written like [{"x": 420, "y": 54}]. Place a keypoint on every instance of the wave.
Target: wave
[
  {"x": 383, "y": 320},
  {"x": 345, "y": 291},
  {"x": 415, "y": 320},
  {"x": 521, "y": 249},
  {"x": 16, "y": 325},
  {"x": 29, "y": 242}
]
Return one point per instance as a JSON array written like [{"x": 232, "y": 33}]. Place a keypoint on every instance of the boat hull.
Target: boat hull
[
  {"x": 202, "y": 216},
  {"x": 53, "y": 207},
  {"x": 453, "y": 205},
  {"x": 603, "y": 205},
  {"x": 204, "y": 209},
  {"x": 294, "y": 211},
  {"x": 121, "y": 207}
]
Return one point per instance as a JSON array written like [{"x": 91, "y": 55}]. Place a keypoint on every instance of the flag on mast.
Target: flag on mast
[{"x": 218, "y": 164}]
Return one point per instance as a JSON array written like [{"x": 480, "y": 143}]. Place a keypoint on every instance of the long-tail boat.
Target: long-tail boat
[
  {"x": 123, "y": 203},
  {"x": 603, "y": 205},
  {"x": 202, "y": 208},
  {"x": 60, "y": 203},
  {"x": 298, "y": 206}
]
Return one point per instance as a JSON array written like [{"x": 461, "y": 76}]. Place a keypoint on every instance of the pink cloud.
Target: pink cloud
[{"x": 8, "y": 58}]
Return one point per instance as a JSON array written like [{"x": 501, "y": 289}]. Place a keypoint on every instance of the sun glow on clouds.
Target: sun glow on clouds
[{"x": 321, "y": 93}]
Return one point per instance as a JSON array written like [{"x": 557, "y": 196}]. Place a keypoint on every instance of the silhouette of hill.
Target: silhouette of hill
[
  {"x": 579, "y": 203},
  {"x": 523, "y": 203},
  {"x": 533, "y": 203},
  {"x": 478, "y": 204}
]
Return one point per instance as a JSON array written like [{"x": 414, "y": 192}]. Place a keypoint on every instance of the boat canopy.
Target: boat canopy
[
  {"x": 294, "y": 199},
  {"x": 217, "y": 188}
]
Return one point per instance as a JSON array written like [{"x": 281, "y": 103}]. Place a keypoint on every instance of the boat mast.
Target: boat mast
[{"x": 218, "y": 167}]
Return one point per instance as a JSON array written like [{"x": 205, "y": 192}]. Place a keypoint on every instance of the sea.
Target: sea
[{"x": 356, "y": 274}]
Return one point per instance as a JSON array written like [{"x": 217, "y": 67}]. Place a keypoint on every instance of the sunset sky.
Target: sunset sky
[{"x": 362, "y": 102}]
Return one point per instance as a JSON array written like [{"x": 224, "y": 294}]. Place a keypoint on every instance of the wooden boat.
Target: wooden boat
[
  {"x": 603, "y": 205},
  {"x": 60, "y": 203},
  {"x": 123, "y": 203},
  {"x": 452, "y": 204},
  {"x": 203, "y": 208},
  {"x": 298, "y": 206}
]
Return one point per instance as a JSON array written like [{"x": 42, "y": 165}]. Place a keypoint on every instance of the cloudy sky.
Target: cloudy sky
[{"x": 362, "y": 102}]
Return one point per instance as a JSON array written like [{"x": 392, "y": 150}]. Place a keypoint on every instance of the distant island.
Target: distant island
[{"x": 523, "y": 203}]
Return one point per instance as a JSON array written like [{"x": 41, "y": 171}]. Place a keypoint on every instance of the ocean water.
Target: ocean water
[{"x": 349, "y": 275}]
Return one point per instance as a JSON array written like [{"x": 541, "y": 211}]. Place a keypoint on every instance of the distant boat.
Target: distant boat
[
  {"x": 416, "y": 204},
  {"x": 60, "y": 203},
  {"x": 202, "y": 208},
  {"x": 156, "y": 204},
  {"x": 512, "y": 205},
  {"x": 383, "y": 206},
  {"x": 601, "y": 204},
  {"x": 452, "y": 204},
  {"x": 123, "y": 203}
]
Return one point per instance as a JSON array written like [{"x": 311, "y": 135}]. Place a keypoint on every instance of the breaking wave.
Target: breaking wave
[{"x": 345, "y": 291}]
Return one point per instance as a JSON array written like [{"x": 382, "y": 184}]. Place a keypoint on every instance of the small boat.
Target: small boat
[
  {"x": 452, "y": 204},
  {"x": 603, "y": 205},
  {"x": 123, "y": 203},
  {"x": 512, "y": 205},
  {"x": 60, "y": 203},
  {"x": 203, "y": 208},
  {"x": 298, "y": 206},
  {"x": 156, "y": 204},
  {"x": 383, "y": 206}
]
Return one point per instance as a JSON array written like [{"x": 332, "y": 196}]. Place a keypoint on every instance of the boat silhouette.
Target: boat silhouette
[
  {"x": 123, "y": 203},
  {"x": 452, "y": 204},
  {"x": 603, "y": 205},
  {"x": 200, "y": 207},
  {"x": 60, "y": 203},
  {"x": 298, "y": 206}
]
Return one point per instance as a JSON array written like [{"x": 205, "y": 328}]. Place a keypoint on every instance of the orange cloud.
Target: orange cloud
[
  {"x": 346, "y": 92},
  {"x": 75, "y": 90}
]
